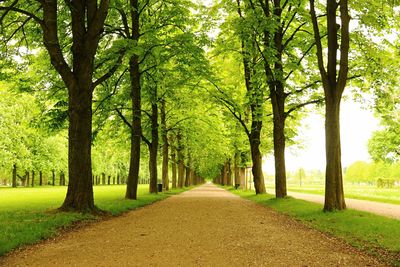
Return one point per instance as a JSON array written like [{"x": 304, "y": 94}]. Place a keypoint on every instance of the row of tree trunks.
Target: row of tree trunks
[
  {"x": 27, "y": 180},
  {"x": 101, "y": 179},
  {"x": 239, "y": 176}
]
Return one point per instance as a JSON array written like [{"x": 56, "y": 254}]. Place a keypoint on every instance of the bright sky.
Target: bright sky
[{"x": 357, "y": 125}]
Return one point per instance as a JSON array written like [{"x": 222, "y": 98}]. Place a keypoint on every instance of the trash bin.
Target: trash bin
[{"x": 159, "y": 186}]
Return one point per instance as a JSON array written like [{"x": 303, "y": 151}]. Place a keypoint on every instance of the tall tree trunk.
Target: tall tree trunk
[
  {"x": 80, "y": 190},
  {"x": 27, "y": 178},
  {"x": 87, "y": 24},
  {"x": 225, "y": 174},
  {"x": 181, "y": 173},
  {"x": 242, "y": 174},
  {"x": 153, "y": 169},
  {"x": 173, "y": 162},
  {"x": 136, "y": 131},
  {"x": 236, "y": 168},
  {"x": 195, "y": 178},
  {"x": 14, "y": 176},
  {"x": 187, "y": 180},
  {"x": 229, "y": 180},
  {"x": 278, "y": 98},
  {"x": 40, "y": 178},
  {"x": 53, "y": 177},
  {"x": 334, "y": 84},
  {"x": 103, "y": 178},
  {"x": 33, "y": 178},
  {"x": 256, "y": 157},
  {"x": 181, "y": 166},
  {"x": 278, "y": 103},
  {"x": 165, "y": 145},
  {"x": 153, "y": 147},
  {"x": 334, "y": 193},
  {"x": 254, "y": 134}
]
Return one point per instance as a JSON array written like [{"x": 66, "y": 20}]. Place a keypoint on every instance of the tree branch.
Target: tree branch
[
  {"x": 123, "y": 118},
  {"x": 111, "y": 71},
  {"x": 317, "y": 37},
  {"x": 299, "y": 106}
]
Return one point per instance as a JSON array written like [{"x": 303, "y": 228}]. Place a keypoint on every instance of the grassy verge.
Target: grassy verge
[
  {"x": 384, "y": 195},
  {"x": 28, "y": 215},
  {"x": 378, "y": 236}
]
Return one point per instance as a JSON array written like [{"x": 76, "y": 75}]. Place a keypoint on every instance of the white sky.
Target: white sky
[{"x": 357, "y": 125}]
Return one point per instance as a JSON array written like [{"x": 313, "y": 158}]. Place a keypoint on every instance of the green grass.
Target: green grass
[
  {"x": 363, "y": 192},
  {"x": 28, "y": 215},
  {"x": 377, "y": 235}
]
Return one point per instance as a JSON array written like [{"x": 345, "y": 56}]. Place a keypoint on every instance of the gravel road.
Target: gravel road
[{"x": 206, "y": 226}]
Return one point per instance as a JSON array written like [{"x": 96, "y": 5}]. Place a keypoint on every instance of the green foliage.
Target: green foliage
[
  {"x": 22, "y": 142},
  {"x": 363, "y": 172}
]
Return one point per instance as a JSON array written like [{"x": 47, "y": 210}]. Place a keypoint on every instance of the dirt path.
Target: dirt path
[
  {"x": 385, "y": 209},
  {"x": 206, "y": 226}
]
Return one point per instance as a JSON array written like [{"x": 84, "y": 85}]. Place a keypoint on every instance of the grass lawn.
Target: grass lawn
[
  {"x": 363, "y": 192},
  {"x": 28, "y": 215},
  {"x": 376, "y": 235}
]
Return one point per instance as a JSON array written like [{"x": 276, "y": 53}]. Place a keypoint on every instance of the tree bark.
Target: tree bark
[
  {"x": 33, "y": 178},
  {"x": 225, "y": 174},
  {"x": 181, "y": 166},
  {"x": 14, "y": 176},
  {"x": 40, "y": 178},
  {"x": 242, "y": 174},
  {"x": 173, "y": 162},
  {"x": 153, "y": 147},
  {"x": 53, "y": 177},
  {"x": 256, "y": 157},
  {"x": 334, "y": 193},
  {"x": 187, "y": 180},
  {"x": 103, "y": 178},
  {"x": 229, "y": 174},
  {"x": 165, "y": 146},
  {"x": 237, "y": 168},
  {"x": 278, "y": 103},
  {"x": 136, "y": 132}
]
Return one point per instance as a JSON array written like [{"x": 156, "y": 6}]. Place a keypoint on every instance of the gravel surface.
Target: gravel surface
[
  {"x": 385, "y": 209},
  {"x": 206, "y": 226}
]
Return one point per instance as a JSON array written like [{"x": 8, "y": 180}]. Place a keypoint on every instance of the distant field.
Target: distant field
[
  {"x": 355, "y": 191},
  {"x": 28, "y": 214}
]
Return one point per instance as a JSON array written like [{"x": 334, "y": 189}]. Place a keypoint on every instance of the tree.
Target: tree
[
  {"x": 334, "y": 83},
  {"x": 85, "y": 20},
  {"x": 284, "y": 44}
]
